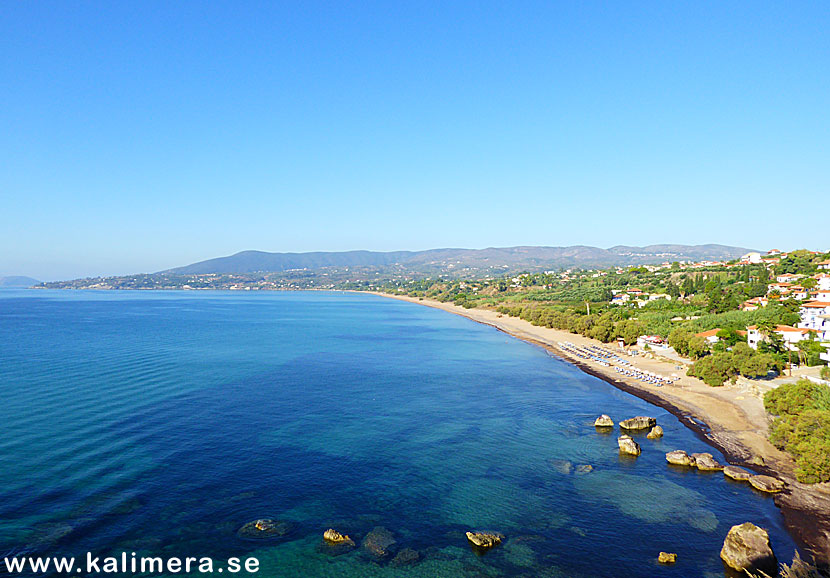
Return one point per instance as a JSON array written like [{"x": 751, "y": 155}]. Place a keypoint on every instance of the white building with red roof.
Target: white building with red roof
[
  {"x": 789, "y": 335},
  {"x": 815, "y": 315}
]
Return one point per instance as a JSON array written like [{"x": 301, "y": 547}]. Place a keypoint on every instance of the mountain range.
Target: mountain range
[{"x": 504, "y": 259}]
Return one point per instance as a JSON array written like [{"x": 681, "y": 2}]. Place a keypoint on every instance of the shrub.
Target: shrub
[
  {"x": 802, "y": 427},
  {"x": 793, "y": 398}
]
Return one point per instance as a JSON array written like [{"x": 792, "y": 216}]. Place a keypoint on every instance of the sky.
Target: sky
[{"x": 138, "y": 136}]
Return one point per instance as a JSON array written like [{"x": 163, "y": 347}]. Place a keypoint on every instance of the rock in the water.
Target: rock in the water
[
  {"x": 484, "y": 539},
  {"x": 628, "y": 445},
  {"x": 584, "y": 469},
  {"x": 562, "y": 466},
  {"x": 655, "y": 433},
  {"x": 405, "y": 557},
  {"x": 747, "y": 547},
  {"x": 736, "y": 473},
  {"x": 639, "y": 422},
  {"x": 335, "y": 537},
  {"x": 379, "y": 542},
  {"x": 680, "y": 458},
  {"x": 264, "y": 529},
  {"x": 707, "y": 463},
  {"x": 604, "y": 421},
  {"x": 767, "y": 484},
  {"x": 667, "y": 558}
]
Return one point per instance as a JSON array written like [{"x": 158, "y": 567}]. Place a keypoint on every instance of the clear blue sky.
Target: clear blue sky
[{"x": 136, "y": 136}]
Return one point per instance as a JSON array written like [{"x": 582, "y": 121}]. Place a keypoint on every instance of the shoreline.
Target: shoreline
[{"x": 731, "y": 419}]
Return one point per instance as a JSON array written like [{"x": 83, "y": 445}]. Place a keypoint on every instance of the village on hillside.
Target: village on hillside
[{"x": 777, "y": 304}]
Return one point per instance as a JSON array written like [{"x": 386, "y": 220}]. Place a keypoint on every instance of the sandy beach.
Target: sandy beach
[{"x": 730, "y": 418}]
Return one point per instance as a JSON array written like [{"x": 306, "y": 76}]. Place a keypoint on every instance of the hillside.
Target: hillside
[
  {"x": 17, "y": 281},
  {"x": 504, "y": 259}
]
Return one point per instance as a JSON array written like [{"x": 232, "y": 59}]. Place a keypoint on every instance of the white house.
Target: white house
[
  {"x": 815, "y": 315},
  {"x": 710, "y": 336},
  {"x": 824, "y": 264},
  {"x": 653, "y": 341},
  {"x": 754, "y": 303},
  {"x": 752, "y": 257},
  {"x": 620, "y": 299},
  {"x": 789, "y": 335},
  {"x": 788, "y": 278}
]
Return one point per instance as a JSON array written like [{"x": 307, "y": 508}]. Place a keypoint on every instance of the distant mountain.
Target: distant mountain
[
  {"x": 17, "y": 281},
  {"x": 504, "y": 259},
  {"x": 255, "y": 261}
]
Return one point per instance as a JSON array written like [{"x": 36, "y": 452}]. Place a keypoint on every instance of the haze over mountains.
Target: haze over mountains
[
  {"x": 446, "y": 260},
  {"x": 17, "y": 281}
]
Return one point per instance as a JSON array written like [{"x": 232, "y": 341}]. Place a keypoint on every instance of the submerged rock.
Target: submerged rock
[
  {"x": 379, "y": 542},
  {"x": 604, "y": 421},
  {"x": 639, "y": 422},
  {"x": 667, "y": 558},
  {"x": 628, "y": 445},
  {"x": 655, "y": 433},
  {"x": 562, "y": 466},
  {"x": 405, "y": 557},
  {"x": 484, "y": 539},
  {"x": 680, "y": 458},
  {"x": 706, "y": 462},
  {"x": 747, "y": 548},
  {"x": 584, "y": 469},
  {"x": 264, "y": 529},
  {"x": 737, "y": 474},
  {"x": 767, "y": 484},
  {"x": 48, "y": 533}
]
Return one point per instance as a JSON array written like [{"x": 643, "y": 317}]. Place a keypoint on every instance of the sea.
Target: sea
[{"x": 160, "y": 424}]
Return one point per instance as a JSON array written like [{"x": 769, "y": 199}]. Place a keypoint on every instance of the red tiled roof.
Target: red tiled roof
[{"x": 710, "y": 333}]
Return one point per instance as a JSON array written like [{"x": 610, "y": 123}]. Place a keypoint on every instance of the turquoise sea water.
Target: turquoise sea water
[{"x": 160, "y": 423}]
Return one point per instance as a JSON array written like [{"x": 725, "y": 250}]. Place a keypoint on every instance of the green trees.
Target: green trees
[
  {"x": 679, "y": 340},
  {"x": 718, "y": 368},
  {"x": 714, "y": 370},
  {"x": 629, "y": 330},
  {"x": 698, "y": 347},
  {"x": 802, "y": 427}
]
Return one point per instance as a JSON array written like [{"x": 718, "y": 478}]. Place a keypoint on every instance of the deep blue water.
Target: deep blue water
[{"x": 161, "y": 422}]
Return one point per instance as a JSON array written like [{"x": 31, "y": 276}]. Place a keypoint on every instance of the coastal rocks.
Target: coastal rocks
[
  {"x": 334, "y": 537},
  {"x": 747, "y": 548},
  {"x": 667, "y": 558},
  {"x": 628, "y": 445},
  {"x": 680, "y": 458},
  {"x": 405, "y": 557},
  {"x": 264, "y": 529},
  {"x": 604, "y": 421},
  {"x": 655, "y": 433},
  {"x": 484, "y": 540},
  {"x": 705, "y": 462},
  {"x": 767, "y": 484},
  {"x": 379, "y": 542},
  {"x": 737, "y": 474},
  {"x": 335, "y": 543},
  {"x": 638, "y": 423}
]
